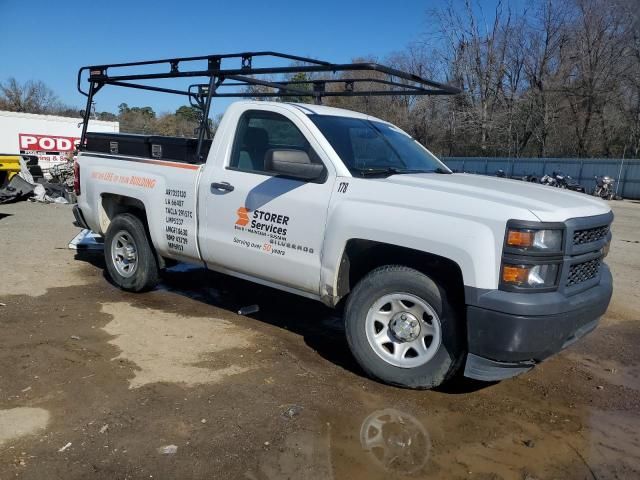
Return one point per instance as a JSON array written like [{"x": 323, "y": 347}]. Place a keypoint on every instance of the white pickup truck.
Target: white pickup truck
[{"x": 437, "y": 272}]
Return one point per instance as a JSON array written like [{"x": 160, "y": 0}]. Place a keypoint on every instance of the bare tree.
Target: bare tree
[
  {"x": 545, "y": 32},
  {"x": 476, "y": 50},
  {"x": 629, "y": 104},
  {"x": 32, "y": 97},
  {"x": 591, "y": 68}
]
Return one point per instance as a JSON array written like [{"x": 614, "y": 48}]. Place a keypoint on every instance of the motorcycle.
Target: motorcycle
[
  {"x": 560, "y": 180},
  {"x": 604, "y": 187},
  {"x": 529, "y": 178},
  {"x": 566, "y": 181},
  {"x": 549, "y": 180},
  {"x": 526, "y": 178}
]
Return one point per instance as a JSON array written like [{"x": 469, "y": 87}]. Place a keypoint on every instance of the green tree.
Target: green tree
[
  {"x": 107, "y": 116},
  {"x": 123, "y": 108},
  {"x": 136, "y": 119},
  {"x": 300, "y": 77},
  {"x": 187, "y": 112}
]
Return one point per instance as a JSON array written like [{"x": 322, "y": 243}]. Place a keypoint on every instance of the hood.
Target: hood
[{"x": 548, "y": 204}]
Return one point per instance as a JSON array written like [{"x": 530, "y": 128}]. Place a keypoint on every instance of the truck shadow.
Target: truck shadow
[{"x": 320, "y": 327}]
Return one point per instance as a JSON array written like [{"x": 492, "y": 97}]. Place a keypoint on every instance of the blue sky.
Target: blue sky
[{"x": 50, "y": 40}]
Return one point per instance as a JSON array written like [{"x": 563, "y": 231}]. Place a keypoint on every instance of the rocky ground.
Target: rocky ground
[{"x": 99, "y": 383}]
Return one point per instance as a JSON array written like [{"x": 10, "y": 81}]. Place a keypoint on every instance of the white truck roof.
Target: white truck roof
[
  {"x": 324, "y": 110},
  {"x": 310, "y": 109}
]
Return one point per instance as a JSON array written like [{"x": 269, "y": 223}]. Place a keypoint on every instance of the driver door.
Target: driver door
[{"x": 261, "y": 224}]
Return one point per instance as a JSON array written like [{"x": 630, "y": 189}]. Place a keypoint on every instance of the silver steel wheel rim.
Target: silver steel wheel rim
[
  {"x": 403, "y": 330},
  {"x": 124, "y": 253}
]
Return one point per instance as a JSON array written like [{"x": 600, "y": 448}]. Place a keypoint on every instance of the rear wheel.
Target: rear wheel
[
  {"x": 129, "y": 256},
  {"x": 401, "y": 328}
]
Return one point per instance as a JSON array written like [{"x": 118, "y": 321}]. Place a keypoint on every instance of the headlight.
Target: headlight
[
  {"x": 543, "y": 241},
  {"x": 532, "y": 256},
  {"x": 530, "y": 276}
]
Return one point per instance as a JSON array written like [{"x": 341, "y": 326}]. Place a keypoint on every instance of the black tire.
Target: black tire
[
  {"x": 146, "y": 274},
  {"x": 399, "y": 279}
]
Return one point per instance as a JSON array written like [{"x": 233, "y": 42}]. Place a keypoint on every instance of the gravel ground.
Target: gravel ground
[{"x": 99, "y": 383}]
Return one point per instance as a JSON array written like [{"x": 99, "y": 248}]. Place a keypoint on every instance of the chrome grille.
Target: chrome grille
[
  {"x": 588, "y": 235},
  {"x": 581, "y": 272}
]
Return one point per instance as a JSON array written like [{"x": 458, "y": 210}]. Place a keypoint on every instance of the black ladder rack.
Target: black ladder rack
[{"x": 388, "y": 81}]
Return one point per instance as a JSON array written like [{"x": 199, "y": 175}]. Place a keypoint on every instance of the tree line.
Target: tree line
[
  {"x": 181, "y": 123},
  {"x": 558, "y": 78},
  {"x": 36, "y": 97}
]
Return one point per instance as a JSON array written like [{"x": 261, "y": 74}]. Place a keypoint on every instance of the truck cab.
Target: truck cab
[{"x": 436, "y": 273}]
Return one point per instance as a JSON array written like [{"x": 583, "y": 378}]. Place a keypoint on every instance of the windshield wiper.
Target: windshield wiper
[
  {"x": 387, "y": 171},
  {"x": 374, "y": 172}
]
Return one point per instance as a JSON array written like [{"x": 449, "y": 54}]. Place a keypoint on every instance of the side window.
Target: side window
[{"x": 258, "y": 132}]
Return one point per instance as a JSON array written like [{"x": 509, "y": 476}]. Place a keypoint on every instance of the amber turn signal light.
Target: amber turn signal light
[
  {"x": 520, "y": 238},
  {"x": 515, "y": 274}
]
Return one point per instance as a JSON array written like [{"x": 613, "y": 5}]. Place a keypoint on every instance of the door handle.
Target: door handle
[{"x": 225, "y": 186}]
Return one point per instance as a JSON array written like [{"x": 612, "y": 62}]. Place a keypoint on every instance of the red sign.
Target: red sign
[{"x": 47, "y": 143}]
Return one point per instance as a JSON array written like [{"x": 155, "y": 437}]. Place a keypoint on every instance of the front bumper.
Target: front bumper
[{"x": 508, "y": 333}]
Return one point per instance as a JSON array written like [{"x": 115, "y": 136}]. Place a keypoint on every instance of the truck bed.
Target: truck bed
[{"x": 175, "y": 149}]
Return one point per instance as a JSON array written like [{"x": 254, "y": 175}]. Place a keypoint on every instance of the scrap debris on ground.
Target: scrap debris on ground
[{"x": 57, "y": 187}]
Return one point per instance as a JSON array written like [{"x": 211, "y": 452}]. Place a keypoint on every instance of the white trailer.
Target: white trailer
[{"x": 51, "y": 138}]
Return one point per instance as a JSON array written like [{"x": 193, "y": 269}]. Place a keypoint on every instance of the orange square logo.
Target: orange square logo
[{"x": 243, "y": 216}]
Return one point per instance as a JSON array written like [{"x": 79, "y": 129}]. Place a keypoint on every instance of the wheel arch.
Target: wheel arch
[
  {"x": 112, "y": 205},
  {"x": 361, "y": 256}
]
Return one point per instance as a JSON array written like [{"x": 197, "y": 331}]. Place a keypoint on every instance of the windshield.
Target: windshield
[{"x": 369, "y": 147}]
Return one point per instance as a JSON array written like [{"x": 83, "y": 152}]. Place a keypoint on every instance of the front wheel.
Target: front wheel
[
  {"x": 402, "y": 330},
  {"x": 129, "y": 256}
]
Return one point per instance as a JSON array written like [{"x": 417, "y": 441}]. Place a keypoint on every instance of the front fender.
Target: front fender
[{"x": 474, "y": 244}]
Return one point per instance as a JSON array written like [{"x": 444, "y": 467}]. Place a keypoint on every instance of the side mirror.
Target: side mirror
[{"x": 292, "y": 163}]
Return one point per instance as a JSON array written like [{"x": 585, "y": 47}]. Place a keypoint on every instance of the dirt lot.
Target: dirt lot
[{"x": 95, "y": 382}]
